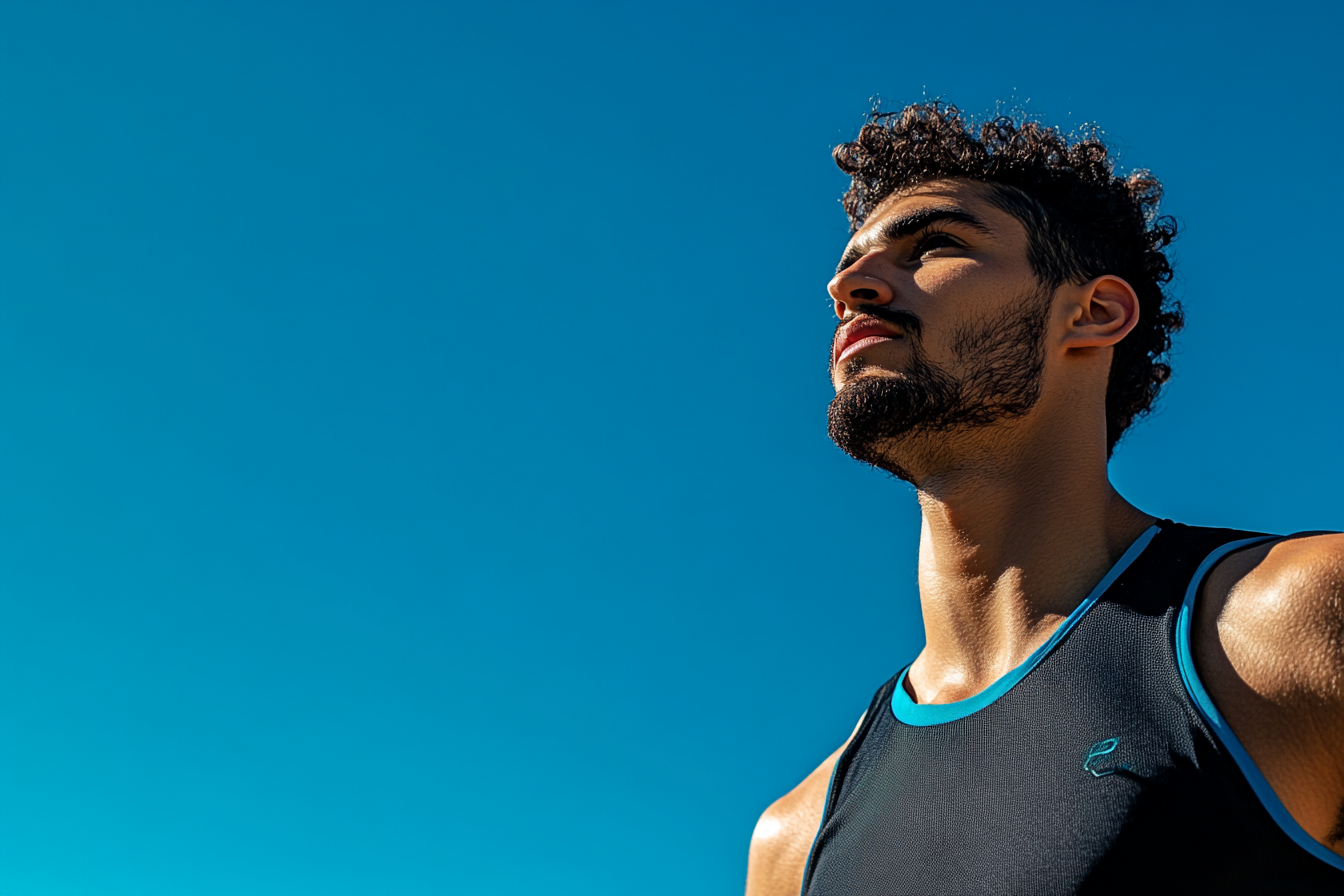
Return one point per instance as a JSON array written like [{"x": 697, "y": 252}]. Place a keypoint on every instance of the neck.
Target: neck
[{"x": 1010, "y": 545}]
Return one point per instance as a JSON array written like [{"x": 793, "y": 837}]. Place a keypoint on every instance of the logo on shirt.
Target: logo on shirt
[{"x": 1100, "y": 758}]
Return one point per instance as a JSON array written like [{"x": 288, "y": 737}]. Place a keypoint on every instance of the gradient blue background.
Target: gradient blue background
[{"x": 413, "y": 474}]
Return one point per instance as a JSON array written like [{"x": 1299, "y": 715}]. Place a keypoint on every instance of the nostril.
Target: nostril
[{"x": 863, "y": 293}]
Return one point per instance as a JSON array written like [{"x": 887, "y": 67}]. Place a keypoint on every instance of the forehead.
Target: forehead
[{"x": 968, "y": 196}]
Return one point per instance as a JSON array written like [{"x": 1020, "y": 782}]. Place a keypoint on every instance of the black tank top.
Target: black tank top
[{"x": 1099, "y": 765}]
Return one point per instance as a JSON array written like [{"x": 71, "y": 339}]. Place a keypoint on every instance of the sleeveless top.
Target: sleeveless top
[{"x": 1099, "y": 765}]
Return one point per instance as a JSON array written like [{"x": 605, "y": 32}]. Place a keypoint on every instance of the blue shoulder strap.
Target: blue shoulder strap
[{"x": 1221, "y": 730}]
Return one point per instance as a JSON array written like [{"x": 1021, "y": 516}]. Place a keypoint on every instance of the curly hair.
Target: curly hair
[{"x": 1081, "y": 219}]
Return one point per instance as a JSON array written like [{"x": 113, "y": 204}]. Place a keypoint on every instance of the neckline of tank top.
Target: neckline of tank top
[{"x": 924, "y": 714}]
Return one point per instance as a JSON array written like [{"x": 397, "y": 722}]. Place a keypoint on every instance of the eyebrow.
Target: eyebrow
[{"x": 904, "y": 225}]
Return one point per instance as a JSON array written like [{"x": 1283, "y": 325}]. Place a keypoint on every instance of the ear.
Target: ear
[{"x": 1103, "y": 312}]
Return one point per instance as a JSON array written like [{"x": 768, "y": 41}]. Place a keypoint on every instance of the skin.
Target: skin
[{"x": 1020, "y": 521}]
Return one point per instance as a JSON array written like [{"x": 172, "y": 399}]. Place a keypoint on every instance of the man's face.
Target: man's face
[{"x": 941, "y": 328}]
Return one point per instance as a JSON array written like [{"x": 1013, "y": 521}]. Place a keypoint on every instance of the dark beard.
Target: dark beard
[{"x": 1003, "y": 359}]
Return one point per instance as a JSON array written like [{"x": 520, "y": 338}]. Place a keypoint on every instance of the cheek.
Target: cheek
[
  {"x": 958, "y": 275},
  {"x": 958, "y": 295},
  {"x": 945, "y": 294},
  {"x": 970, "y": 286}
]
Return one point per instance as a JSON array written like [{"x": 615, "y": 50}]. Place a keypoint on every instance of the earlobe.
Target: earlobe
[{"x": 1107, "y": 308}]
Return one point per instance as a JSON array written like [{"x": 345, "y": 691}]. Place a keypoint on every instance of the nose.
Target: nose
[{"x": 858, "y": 285}]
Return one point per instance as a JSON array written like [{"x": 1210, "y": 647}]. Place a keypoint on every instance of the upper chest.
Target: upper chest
[{"x": 1093, "y": 762}]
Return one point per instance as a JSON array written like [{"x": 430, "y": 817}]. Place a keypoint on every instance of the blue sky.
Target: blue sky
[{"x": 413, "y": 471}]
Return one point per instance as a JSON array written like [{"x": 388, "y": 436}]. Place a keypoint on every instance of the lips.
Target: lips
[{"x": 863, "y": 333}]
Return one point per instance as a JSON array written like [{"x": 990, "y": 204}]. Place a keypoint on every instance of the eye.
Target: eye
[{"x": 937, "y": 240}]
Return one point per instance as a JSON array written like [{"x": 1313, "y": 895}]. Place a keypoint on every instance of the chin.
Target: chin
[
  {"x": 861, "y": 373},
  {"x": 879, "y": 416}
]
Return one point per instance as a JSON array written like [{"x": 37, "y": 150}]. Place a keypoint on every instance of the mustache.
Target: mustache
[{"x": 908, "y": 321}]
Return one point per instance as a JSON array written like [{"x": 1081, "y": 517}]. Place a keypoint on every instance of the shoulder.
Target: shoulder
[
  {"x": 1278, "y": 610},
  {"x": 784, "y": 834},
  {"x": 1268, "y": 642}
]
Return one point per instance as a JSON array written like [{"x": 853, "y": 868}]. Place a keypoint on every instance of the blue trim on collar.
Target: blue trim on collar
[
  {"x": 1221, "y": 730},
  {"x": 923, "y": 714}
]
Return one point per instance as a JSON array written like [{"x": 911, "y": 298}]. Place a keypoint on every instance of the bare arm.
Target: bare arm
[
  {"x": 784, "y": 834},
  {"x": 1269, "y": 647}
]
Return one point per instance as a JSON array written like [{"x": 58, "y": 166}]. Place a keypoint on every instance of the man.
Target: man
[{"x": 1105, "y": 700}]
